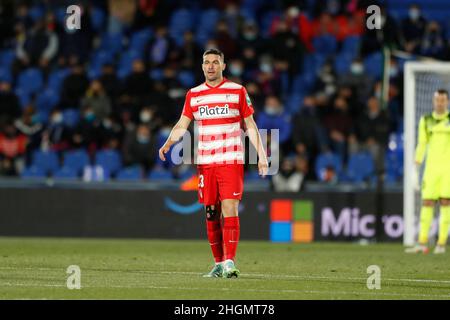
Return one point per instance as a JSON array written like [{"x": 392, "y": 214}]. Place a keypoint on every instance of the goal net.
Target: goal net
[{"x": 421, "y": 80}]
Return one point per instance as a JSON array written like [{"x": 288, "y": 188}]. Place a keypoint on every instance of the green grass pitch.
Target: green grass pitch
[{"x": 35, "y": 268}]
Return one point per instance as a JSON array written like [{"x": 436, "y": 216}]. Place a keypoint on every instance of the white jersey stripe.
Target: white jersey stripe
[
  {"x": 230, "y": 85},
  {"x": 199, "y": 88},
  {"x": 211, "y": 145},
  {"x": 214, "y": 98},
  {"x": 219, "y": 128},
  {"x": 220, "y": 157}
]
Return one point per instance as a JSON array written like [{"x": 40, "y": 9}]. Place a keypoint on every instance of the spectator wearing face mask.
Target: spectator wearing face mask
[
  {"x": 357, "y": 79},
  {"x": 86, "y": 133},
  {"x": 293, "y": 174},
  {"x": 97, "y": 99},
  {"x": 56, "y": 136},
  {"x": 413, "y": 28},
  {"x": 31, "y": 126},
  {"x": 141, "y": 149},
  {"x": 275, "y": 117}
]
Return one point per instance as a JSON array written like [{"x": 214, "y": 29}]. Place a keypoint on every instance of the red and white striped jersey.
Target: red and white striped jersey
[{"x": 219, "y": 112}]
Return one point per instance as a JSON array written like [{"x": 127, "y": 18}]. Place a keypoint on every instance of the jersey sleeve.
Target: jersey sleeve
[
  {"x": 246, "y": 107},
  {"x": 422, "y": 141},
  {"x": 187, "y": 109}
]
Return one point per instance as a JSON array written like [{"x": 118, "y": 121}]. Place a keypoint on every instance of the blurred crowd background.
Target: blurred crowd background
[{"x": 97, "y": 103}]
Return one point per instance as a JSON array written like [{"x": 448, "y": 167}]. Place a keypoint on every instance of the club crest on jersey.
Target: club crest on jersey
[{"x": 205, "y": 111}]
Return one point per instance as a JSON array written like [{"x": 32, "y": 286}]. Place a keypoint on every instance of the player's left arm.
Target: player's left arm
[{"x": 255, "y": 139}]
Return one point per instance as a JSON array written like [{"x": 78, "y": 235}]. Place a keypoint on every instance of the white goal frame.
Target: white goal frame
[{"x": 410, "y": 133}]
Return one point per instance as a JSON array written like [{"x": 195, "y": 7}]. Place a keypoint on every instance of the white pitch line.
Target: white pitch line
[
  {"x": 250, "y": 275},
  {"x": 374, "y": 293}
]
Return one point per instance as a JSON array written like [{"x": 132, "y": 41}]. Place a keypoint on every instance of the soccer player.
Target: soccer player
[
  {"x": 434, "y": 140},
  {"x": 221, "y": 108}
]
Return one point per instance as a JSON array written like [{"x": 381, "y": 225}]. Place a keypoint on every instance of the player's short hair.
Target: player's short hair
[
  {"x": 442, "y": 91},
  {"x": 216, "y": 52}
]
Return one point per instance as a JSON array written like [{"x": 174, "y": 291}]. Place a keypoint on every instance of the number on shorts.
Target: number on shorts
[{"x": 201, "y": 182}]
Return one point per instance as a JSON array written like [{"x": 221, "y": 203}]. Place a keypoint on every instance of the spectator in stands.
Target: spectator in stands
[
  {"x": 97, "y": 99},
  {"x": 76, "y": 44},
  {"x": 9, "y": 104},
  {"x": 292, "y": 174},
  {"x": 74, "y": 87},
  {"x": 275, "y": 117},
  {"x": 372, "y": 132},
  {"x": 389, "y": 35},
  {"x": 286, "y": 47},
  {"x": 308, "y": 134},
  {"x": 30, "y": 125},
  {"x": 433, "y": 42},
  {"x": 188, "y": 53},
  {"x": 37, "y": 46},
  {"x": 339, "y": 125},
  {"x": 225, "y": 42},
  {"x": 109, "y": 133},
  {"x": 86, "y": 133},
  {"x": 138, "y": 84},
  {"x": 356, "y": 79},
  {"x": 148, "y": 117},
  {"x": 160, "y": 47},
  {"x": 56, "y": 135},
  {"x": 235, "y": 70},
  {"x": 109, "y": 80},
  {"x": 413, "y": 29},
  {"x": 12, "y": 149},
  {"x": 141, "y": 149}
]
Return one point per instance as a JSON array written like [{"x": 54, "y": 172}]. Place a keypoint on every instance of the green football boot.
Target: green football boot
[
  {"x": 216, "y": 272},
  {"x": 230, "y": 270}
]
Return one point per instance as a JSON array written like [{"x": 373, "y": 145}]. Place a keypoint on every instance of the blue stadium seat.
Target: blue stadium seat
[
  {"x": 33, "y": 172},
  {"x": 180, "y": 21},
  {"x": 325, "y": 160},
  {"x": 351, "y": 45},
  {"x": 71, "y": 117},
  {"x": 5, "y": 74},
  {"x": 46, "y": 160},
  {"x": 7, "y": 57},
  {"x": 186, "y": 78},
  {"x": 66, "y": 173},
  {"x": 294, "y": 102},
  {"x": 126, "y": 62},
  {"x": 47, "y": 100},
  {"x": 342, "y": 63},
  {"x": 24, "y": 97},
  {"x": 360, "y": 167},
  {"x": 56, "y": 79},
  {"x": 325, "y": 45},
  {"x": 36, "y": 12},
  {"x": 30, "y": 80},
  {"x": 133, "y": 173},
  {"x": 156, "y": 74},
  {"x": 97, "y": 18},
  {"x": 373, "y": 65},
  {"x": 159, "y": 173},
  {"x": 140, "y": 39},
  {"x": 252, "y": 175},
  {"x": 394, "y": 164},
  {"x": 206, "y": 26},
  {"x": 110, "y": 160},
  {"x": 76, "y": 160},
  {"x": 111, "y": 42}
]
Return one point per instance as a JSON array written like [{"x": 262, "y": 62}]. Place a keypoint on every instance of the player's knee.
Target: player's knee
[
  {"x": 211, "y": 213},
  {"x": 229, "y": 208}
]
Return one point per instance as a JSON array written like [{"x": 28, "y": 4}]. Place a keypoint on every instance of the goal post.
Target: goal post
[{"x": 421, "y": 80}]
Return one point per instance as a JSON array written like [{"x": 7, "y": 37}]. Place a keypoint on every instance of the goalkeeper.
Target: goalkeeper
[{"x": 434, "y": 141}]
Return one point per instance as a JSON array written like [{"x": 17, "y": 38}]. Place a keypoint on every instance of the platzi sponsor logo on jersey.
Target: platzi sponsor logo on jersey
[{"x": 205, "y": 111}]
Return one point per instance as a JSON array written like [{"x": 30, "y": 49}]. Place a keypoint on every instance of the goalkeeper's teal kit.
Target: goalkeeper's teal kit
[{"x": 434, "y": 142}]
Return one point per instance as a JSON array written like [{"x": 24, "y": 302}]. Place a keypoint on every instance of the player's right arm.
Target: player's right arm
[
  {"x": 180, "y": 127},
  {"x": 177, "y": 132},
  {"x": 422, "y": 142}
]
